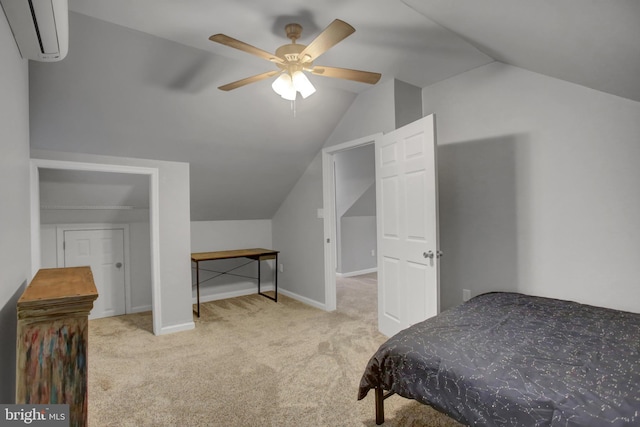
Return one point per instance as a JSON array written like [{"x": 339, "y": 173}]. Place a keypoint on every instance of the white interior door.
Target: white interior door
[
  {"x": 103, "y": 251},
  {"x": 407, "y": 209}
]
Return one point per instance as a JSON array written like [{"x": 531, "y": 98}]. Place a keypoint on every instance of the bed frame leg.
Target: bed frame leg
[{"x": 379, "y": 393}]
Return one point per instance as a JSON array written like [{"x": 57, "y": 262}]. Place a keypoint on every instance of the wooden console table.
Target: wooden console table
[
  {"x": 257, "y": 254},
  {"x": 52, "y": 339}
]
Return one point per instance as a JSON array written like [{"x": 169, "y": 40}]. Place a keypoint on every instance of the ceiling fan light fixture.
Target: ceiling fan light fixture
[
  {"x": 282, "y": 84},
  {"x": 302, "y": 84},
  {"x": 289, "y": 94}
]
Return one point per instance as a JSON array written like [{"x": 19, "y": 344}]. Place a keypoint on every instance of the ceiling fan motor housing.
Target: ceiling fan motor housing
[
  {"x": 291, "y": 54},
  {"x": 293, "y": 31}
]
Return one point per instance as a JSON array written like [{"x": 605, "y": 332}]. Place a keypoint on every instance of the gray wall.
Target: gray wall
[
  {"x": 538, "y": 187},
  {"x": 297, "y": 231},
  {"x": 174, "y": 241},
  {"x": 207, "y": 236},
  {"x": 122, "y": 92},
  {"x": 356, "y": 224},
  {"x": 15, "y": 252},
  {"x": 408, "y": 103},
  {"x": 359, "y": 246}
]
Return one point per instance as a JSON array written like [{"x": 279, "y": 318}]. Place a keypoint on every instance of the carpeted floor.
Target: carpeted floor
[{"x": 248, "y": 362}]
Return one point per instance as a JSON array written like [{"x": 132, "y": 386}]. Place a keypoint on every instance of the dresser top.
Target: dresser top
[{"x": 59, "y": 285}]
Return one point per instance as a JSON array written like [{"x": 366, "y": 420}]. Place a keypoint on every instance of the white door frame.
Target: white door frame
[
  {"x": 154, "y": 218},
  {"x": 329, "y": 210},
  {"x": 61, "y": 228}
]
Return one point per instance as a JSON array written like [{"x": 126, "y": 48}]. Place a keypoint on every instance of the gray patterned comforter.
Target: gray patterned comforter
[{"x": 507, "y": 359}]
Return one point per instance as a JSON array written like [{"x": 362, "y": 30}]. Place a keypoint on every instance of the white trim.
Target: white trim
[
  {"x": 61, "y": 228},
  {"x": 329, "y": 201},
  {"x": 91, "y": 167},
  {"x": 85, "y": 208},
  {"x": 140, "y": 308},
  {"x": 305, "y": 300},
  {"x": 231, "y": 294},
  {"x": 358, "y": 273},
  {"x": 175, "y": 328},
  {"x": 154, "y": 218},
  {"x": 35, "y": 220}
]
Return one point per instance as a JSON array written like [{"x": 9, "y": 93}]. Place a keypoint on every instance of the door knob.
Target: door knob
[
  {"x": 428, "y": 254},
  {"x": 118, "y": 264},
  {"x": 439, "y": 254}
]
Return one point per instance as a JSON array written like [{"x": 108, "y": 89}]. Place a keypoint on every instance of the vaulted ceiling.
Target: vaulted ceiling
[{"x": 140, "y": 78}]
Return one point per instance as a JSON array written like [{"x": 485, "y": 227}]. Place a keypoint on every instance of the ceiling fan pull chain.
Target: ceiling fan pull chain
[{"x": 293, "y": 108}]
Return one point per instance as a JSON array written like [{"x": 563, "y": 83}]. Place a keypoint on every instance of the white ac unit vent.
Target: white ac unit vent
[{"x": 40, "y": 27}]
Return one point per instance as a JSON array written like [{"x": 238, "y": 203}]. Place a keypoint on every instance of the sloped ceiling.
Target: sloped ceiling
[
  {"x": 140, "y": 78},
  {"x": 92, "y": 189},
  {"x": 390, "y": 37},
  {"x": 592, "y": 43}
]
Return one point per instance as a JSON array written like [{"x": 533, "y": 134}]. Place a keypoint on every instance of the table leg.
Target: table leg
[
  {"x": 275, "y": 282},
  {"x": 259, "y": 280},
  {"x": 259, "y": 275},
  {"x": 198, "y": 285}
]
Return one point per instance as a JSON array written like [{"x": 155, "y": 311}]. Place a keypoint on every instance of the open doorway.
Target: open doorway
[
  {"x": 99, "y": 219},
  {"x": 349, "y": 219},
  {"x": 149, "y": 174}
]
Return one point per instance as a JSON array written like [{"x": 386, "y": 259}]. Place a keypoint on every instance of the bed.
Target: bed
[{"x": 508, "y": 359}]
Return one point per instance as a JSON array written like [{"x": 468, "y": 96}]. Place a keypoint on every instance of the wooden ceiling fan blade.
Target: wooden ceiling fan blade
[
  {"x": 248, "y": 80},
  {"x": 345, "y": 73},
  {"x": 237, "y": 44},
  {"x": 336, "y": 31}
]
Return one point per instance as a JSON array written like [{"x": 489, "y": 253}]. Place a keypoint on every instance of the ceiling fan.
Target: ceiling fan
[{"x": 294, "y": 59}]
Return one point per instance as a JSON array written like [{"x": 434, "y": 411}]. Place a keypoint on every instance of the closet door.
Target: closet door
[{"x": 103, "y": 251}]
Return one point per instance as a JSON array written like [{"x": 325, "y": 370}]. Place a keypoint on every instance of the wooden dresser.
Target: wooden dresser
[{"x": 53, "y": 338}]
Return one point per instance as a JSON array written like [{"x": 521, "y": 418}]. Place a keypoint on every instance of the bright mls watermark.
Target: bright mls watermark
[{"x": 49, "y": 415}]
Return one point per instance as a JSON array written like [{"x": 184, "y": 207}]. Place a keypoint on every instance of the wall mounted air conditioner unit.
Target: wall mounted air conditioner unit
[{"x": 40, "y": 27}]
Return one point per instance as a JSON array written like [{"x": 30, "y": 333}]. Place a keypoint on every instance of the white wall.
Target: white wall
[
  {"x": 14, "y": 200},
  {"x": 209, "y": 236},
  {"x": 175, "y": 237},
  {"x": 538, "y": 182}
]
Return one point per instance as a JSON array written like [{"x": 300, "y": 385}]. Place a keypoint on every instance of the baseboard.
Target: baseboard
[
  {"x": 358, "y": 273},
  {"x": 177, "y": 328},
  {"x": 140, "y": 309},
  {"x": 232, "y": 294},
  {"x": 243, "y": 292},
  {"x": 302, "y": 299}
]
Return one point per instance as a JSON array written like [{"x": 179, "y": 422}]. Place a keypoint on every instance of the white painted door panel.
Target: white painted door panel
[
  {"x": 389, "y": 298},
  {"x": 406, "y": 188},
  {"x": 103, "y": 251}
]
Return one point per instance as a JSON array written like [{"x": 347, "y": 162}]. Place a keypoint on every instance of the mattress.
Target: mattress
[{"x": 508, "y": 359}]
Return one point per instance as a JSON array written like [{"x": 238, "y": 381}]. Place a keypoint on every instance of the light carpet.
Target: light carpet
[{"x": 248, "y": 362}]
